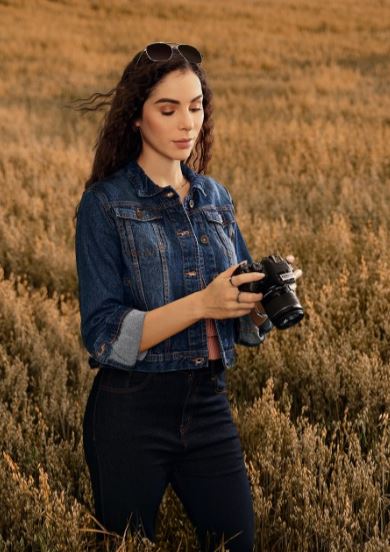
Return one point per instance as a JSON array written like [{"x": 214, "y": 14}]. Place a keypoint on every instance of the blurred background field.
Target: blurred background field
[{"x": 302, "y": 141}]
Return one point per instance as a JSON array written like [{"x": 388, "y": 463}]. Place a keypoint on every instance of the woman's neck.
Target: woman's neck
[{"x": 164, "y": 175}]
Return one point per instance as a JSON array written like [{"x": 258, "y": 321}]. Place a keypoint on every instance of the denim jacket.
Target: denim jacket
[{"x": 139, "y": 247}]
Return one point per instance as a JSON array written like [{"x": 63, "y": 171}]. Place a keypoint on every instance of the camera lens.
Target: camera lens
[
  {"x": 283, "y": 307},
  {"x": 285, "y": 320}
]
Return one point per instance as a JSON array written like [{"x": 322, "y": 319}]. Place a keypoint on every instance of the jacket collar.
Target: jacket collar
[{"x": 145, "y": 187}]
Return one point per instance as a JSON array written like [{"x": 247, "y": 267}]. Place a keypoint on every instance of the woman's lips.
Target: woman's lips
[{"x": 182, "y": 143}]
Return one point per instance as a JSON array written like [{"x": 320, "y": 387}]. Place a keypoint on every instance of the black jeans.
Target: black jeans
[{"x": 145, "y": 430}]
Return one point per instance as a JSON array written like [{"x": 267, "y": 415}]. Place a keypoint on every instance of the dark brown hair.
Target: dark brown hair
[{"x": 118, "y": 141}]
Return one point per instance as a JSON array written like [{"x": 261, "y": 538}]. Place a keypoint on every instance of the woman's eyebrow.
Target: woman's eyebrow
[{"x": 170, "y": 100}]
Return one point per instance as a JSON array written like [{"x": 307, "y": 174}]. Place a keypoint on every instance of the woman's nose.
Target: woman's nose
[{"x": 187, "y": 121}]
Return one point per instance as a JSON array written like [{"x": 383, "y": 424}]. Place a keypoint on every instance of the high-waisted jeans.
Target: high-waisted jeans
[{"x": 144, "y": 430}]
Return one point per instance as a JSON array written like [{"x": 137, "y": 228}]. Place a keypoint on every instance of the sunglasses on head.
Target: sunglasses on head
[{"x": 163, "y": 51}]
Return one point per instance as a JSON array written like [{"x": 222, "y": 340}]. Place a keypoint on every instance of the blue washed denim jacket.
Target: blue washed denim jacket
[{"x": 137, "y": 248}]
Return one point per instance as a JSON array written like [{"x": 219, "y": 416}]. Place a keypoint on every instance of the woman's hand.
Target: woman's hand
[
  {"x": 219, "y": 298},
  {"x": 297, "y": 273}
]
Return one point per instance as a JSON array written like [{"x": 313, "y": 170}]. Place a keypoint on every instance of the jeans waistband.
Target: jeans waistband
[{"x": 213, "y": 366}]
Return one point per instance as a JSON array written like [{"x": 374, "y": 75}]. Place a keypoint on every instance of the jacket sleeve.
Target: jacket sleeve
[
  {"x": 246, "y": 332},
  {"x": 111, "y": 330}
]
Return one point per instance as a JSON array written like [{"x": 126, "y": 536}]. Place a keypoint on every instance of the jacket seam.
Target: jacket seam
[{"x": 106, "y": 208}]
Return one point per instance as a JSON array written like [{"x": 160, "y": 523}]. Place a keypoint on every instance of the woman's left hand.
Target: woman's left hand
[{"x": 297, "y": 273}]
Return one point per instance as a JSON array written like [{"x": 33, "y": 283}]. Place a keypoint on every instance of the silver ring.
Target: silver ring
[{"x": 230, "y": 280}]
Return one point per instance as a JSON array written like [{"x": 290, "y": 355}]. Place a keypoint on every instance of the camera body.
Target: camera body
[{"x": 279, "y": 300}]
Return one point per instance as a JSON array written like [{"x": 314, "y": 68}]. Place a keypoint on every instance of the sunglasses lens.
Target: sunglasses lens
[
  {"x": 191, "y": 53},
  {"x": 159, "y": 51}
]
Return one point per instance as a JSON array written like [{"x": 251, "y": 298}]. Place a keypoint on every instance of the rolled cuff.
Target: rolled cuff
[
  {"x": 125, "y": 349},
  {"x": 247, "y": 333}
]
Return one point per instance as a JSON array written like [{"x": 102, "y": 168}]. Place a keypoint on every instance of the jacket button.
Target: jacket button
[
  {"x": 139, "y": 213},
  {"x": 204, "y": 238},
  {"x": 169, "y": 194},
  {"x": 198, "y": 360},
  {"x": 191, "y": 203}
]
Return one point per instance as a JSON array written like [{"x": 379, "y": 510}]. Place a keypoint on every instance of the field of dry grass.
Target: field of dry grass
[{"x": 302, "y": 141}]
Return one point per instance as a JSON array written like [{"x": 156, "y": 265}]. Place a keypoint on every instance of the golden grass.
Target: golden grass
[{"x": 302, "y": 140}]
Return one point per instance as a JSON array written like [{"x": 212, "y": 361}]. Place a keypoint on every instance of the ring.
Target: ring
[{"x": 230, "y": 280}]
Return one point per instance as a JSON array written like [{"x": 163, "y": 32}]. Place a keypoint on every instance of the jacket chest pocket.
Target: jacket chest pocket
[
  {"x": 141, "y": 231},
  {"x": 221, "y": 224},
  {"x": 144, "y": 246}
]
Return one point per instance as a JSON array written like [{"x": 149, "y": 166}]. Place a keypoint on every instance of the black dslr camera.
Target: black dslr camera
[{"x": 279, "y": 300}]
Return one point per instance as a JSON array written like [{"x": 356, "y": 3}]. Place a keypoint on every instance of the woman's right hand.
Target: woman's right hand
[{"x": 219, "y": 298}]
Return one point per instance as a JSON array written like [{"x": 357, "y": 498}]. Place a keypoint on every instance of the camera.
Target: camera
[{"x": 279, "y": 300}]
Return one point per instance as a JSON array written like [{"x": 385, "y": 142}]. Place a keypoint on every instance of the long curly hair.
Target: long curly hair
[{"x": 118, "y": 141}]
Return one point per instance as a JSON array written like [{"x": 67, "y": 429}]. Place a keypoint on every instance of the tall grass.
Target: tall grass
[{"x": 302, "y": 141}]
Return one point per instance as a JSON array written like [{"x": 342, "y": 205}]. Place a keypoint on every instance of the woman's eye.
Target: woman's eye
[{"x": 170, "y": 112}]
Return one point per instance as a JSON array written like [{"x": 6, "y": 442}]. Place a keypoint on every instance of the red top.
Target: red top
[{"x": 212, "y": 339}]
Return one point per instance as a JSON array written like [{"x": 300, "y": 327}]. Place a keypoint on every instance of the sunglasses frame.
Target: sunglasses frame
[{"x": 173, "y": 46}]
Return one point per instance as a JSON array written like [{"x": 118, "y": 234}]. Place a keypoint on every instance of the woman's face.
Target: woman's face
[{"x": 173, "y": 111}]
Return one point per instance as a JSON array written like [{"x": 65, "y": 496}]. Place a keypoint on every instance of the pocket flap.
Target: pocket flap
[
  {"x": 137, "y": 213},
  {"x": 223, "y": 216}
]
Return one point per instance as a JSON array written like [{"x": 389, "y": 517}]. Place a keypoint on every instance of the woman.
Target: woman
[{"x": 157, "y": 243}]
